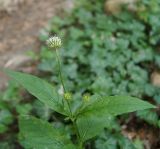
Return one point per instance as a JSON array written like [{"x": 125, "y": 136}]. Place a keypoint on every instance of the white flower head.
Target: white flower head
[{"x": 54, "y": 42}]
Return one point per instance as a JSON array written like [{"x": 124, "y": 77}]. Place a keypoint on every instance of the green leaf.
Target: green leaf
[
  {"x": 116, "y": 105},
  {"x": 44, "y": 91},
  {"x": 6, "y": 117},
  {"x": 149, "y": 116},
  {"x": 5, "y": 145},
  {"x": 23, "y": 109},
  {"x": 113, "y": 140},
  {"x": 138, "y": 144},
  {"x": 91, "y": 125},
  {"x": 38, "y": 134},
  {"x": 95, "y": 116},
  {"x": 3, "y": 128}
]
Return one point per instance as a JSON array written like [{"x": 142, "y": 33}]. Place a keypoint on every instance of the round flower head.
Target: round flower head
[{"x": 54, "y": 42}]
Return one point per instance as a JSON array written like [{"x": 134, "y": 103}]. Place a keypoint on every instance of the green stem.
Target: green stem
[
  {"x": 60, "y": 72},
  {"x": 76, "y": 128},
  {"x": 69, "y": 109},
  {"x": 80, "y": 144},
  {"x": 61, "y": 79}
]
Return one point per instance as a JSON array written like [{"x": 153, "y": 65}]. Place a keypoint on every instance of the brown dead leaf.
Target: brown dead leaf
[
  {"x": 155, "y": 79},
  {"x": 114, "y": 6}
]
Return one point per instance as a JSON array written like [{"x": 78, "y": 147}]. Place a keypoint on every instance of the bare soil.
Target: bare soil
[{"x": 19, "y": 31}]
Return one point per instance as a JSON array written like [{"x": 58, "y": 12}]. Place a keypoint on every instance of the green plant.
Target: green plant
[
  {"x": 114, "y": 140},
  {"x": 87, "y": 115},
  {"x": 11, "y": 105},
  {"x": 112, "y": 54}
]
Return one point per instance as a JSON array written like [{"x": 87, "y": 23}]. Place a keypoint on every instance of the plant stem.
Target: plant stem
[
  {"x": 60, "y": 72},
  {"x": 80, "y": 144},
  {"x": 69, "y": 109},
  {"x": 61, "y": 79}
]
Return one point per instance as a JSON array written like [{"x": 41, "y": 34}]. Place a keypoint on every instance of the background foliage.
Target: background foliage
[{"x": 112, "y": 54}]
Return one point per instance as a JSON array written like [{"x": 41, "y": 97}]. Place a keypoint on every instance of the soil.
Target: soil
[{"x": 19, "y": 31}]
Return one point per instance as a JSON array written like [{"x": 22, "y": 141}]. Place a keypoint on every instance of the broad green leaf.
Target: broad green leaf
[
  {"x": 38, "y": 134},
  {"x": 44, "y": 91},
  {"x": 91, "y": 125},
  {"x": 95, "y": 116},
  {"x": 116, "y": 105}
]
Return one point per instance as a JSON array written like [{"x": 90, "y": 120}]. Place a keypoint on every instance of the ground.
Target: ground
[{"x": 19, "y": 31}]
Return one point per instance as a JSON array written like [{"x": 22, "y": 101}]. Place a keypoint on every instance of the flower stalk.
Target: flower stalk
[{"x": 55, "y": 43}]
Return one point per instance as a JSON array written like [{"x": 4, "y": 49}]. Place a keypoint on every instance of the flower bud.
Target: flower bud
[
  {"x": 54, "y": 42},
  {"x": 86, "y": 97},
  {"x": 67, "y": 96}
]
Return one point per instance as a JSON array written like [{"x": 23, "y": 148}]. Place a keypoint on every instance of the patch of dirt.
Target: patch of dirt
[
  {"x": 139, "y": 129},
  {"x": 20, "y": 29}
]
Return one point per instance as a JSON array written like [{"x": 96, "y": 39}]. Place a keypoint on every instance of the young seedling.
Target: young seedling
[{"x": 87, "y": 120}]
